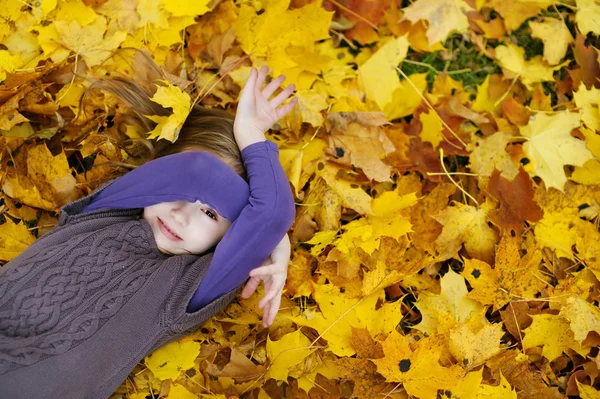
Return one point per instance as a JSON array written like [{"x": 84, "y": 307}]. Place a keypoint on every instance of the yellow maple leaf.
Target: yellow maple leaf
[
  {"x": 431, "y": 132},
  {"x": 8, "y": 63},
  {"x": 473, "y": 349},
  {"x": 444, "y": 16},
  {"x": 556, "y": 37},
  {"x": 452, "y": 306},
  {"x": 471, "y": 387},
  {"x": 512, "y": 59},
  {"x": 168, "y": 127},
  {"x": 588, "y": 174},
  {"x": 177, "y": 391},
  {"x": 511, "y": 276},
  {"x": 285, "y": 353},
  {"x": 550, "y": 146},
  {"x": 586, "y": 391},
  {"x": 466, "y": 224},
  {"x": 405, "y": 99},
  {"x": 187, "y": 7},
  {"x": 339, "y": 313},
  {"x": 583, "y": 317},
  {"x": 87, "y": 41},
  {"x": 588, "y": 17},
  {"x": 515, "y": 12},
  {"x": 587, "y": 102},
  {"x": 14, "y": 239},
  {"x": 553, "y": 232},
  {"x": 72, "y": 10},
  {"x": 278, "y": 27},
  {"x": 169, "y": 361},
  {"x": 379, "y": 76},
  {"x": 553, "y": 333},
  {"x": 366, "y": 145},
  {"x": 490, "y": 153},
  {"x": 387, "y": 220},
  {"x": 308, "y": 109},
  {"x": 419, "y": 370},
  {"x": 352, "y": 195},
  {"x": 483, "y": 101}
]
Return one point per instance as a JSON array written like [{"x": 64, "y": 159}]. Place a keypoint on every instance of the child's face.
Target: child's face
[{"x": 197, "y": 226}]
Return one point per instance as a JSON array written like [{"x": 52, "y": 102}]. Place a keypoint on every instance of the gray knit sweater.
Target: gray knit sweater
[{"x": 88, "y": 300}]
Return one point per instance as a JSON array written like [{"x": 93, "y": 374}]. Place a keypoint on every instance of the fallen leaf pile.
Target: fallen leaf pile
[{"x": 444, "y": 156}]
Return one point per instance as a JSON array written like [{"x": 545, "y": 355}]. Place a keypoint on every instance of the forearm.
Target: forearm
[{"x": 255, "y": 234}]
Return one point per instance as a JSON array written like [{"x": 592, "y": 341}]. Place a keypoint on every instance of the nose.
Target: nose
[{"x": 181, "y": 213}]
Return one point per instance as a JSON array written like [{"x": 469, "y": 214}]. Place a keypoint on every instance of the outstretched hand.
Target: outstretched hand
[
  {"x": 255, "y": 112},
  {"x": 274, "y": 273}
]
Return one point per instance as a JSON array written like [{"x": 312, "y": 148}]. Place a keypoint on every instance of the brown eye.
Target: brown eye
[{"x": 210, "y": 214}]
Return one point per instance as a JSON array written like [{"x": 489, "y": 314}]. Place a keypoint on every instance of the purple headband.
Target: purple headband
[{"x": 200, "y": 174}]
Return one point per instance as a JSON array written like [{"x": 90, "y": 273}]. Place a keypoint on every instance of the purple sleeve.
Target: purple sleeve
[
  {"x": 263, "y": 218},
  {"x": 257, "y": 231}
]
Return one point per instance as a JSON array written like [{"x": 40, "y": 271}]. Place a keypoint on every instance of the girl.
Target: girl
[{"x": 88, "y": 300}]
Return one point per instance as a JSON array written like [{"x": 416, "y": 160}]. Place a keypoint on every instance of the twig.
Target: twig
[
  {"x": 371, "y": 24},
  {"x": 438, "y": 115}
]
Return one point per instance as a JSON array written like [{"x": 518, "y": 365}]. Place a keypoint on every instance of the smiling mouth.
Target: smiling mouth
[{"x": 167, "y": 232}]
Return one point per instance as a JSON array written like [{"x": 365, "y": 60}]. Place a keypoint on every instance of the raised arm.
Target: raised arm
[
  {"x": 257, "y": 231},
  {"x": 270, "y": 210}
]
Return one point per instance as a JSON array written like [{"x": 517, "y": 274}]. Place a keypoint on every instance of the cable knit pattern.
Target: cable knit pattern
[
  {"x": 82, "y": 305},
  {"x": 68, "y": 291}
]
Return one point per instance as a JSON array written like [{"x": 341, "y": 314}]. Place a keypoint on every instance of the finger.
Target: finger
[
  {"x": 267, "y": 291},
  {"x": 268, "y": 296},
  {"x": 265, "y": 315},
  {"x": 250, "y": 287},
  {"x": 250, "y": 83},
  {"x": 268, "y": 270},
  {"x": 281, "y": 97},
  {"x": 273, "y": 309},
  {"x": 284, "y": 110},
  {"x": 271, "y": 87},
  {"x": 261, "y": 77}
]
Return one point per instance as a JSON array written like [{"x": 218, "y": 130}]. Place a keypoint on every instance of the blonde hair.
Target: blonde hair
[{"x": 207, "y": 129}]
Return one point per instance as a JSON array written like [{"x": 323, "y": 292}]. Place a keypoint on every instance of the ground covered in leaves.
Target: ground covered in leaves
[{"x": 444, "y": 156}]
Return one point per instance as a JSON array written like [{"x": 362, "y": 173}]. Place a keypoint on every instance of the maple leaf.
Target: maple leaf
[
  {"x": 14, "y": 239},
  {"x": 378, "y": 74},
  {"x": 471, "y": 387},
  {"x": 516, "y": 198},
  {"x": 587, "y": 16},
  {"x": 515, "y": 12},
  {"x": 474, "y": 349},
  {"x": 432, "y": 128},
  {"x": 418, "y": 370},
  {"x": 278, "y": 28},
  {"x": 284, "y": 356},
  {"x": 168, "y": 127},
  {"x": 584, "y": 318},
  {"x": 87, "y": 41},
  {"x": 556, "y": 37},
  {"x": 172, "y": 359},
  {"x": 587, "y": 102},
  {"x": 490, "y": 153},
  {"x": 444, "y": 16},
  {"x": 512, "y": 59},
  {"x": 351, "y": 194},
  {"x": 442, "y": 312},
  {"x": 586, "y": 391},
  {"x": 464, "y": 224},
  {"x": 553, "y": 333},
  {"x": 550, "y": 146},
  {"x": 364, "y": 146},
  {"x": 340, "y": 314},
  {"x": 511, "y": 277}
]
